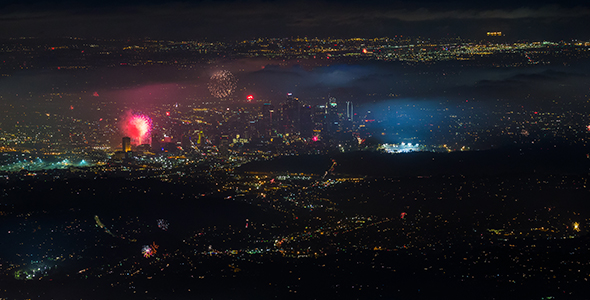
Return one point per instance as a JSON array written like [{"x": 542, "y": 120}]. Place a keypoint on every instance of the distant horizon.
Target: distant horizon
[
  {"x": 483, "y": 38},
  {"x": 523, "y": 19}
]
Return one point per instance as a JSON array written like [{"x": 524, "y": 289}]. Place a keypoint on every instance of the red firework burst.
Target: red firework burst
[{"x": 137, "y": 127}]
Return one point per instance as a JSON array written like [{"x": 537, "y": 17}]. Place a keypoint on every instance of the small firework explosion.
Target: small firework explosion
[
  {"x": 222, "y": 84},
  {"x": 577, "y": 226},
  {"x": 149, "y": 250},
  {"x": 163, "y": 224}
]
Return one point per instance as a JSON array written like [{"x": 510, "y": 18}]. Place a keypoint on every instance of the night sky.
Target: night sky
[{"x": 552, "y": 20}]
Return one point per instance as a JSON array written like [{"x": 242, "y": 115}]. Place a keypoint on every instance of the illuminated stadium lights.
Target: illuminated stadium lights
[
  {"x": 38, "y": 165},
  {"x": 401, "y": 148}
]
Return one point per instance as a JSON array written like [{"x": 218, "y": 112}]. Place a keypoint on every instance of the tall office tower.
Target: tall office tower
[
  {"x": 332, "y": 120},
  {"x": 306, "y": 121},
  {"x": 292, "y": 114},
  {"x": 268, "y": 119},
  {"x": 349, "y": 111},
  {"x": 290, "y": 97},
  {"x": 250, "y": 130},
  {"x": 186, "y": 143},
  {"x": 126, "y": 144},
  {"x": 200, "y": 138},
  {"x": 224, "y": 145},
  {"x": 319, "y": 118}
]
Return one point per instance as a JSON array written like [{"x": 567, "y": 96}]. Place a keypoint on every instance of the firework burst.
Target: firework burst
[
  {"x": 149, "y": 250},
  {"x": 163, "y": 224},
  {"x": 222, "y": 84},
  {"x": 137, "y": 127}
]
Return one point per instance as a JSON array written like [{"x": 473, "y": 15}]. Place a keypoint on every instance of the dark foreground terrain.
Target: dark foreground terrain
[{"x": 499, "y": 224}]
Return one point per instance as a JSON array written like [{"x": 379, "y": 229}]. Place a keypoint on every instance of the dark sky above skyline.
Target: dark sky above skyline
[{"x": 522, "y": 19}]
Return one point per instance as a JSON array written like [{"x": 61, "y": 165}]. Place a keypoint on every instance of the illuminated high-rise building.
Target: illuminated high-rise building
[
  {"x": 349, "y": 111},
  {"x": 200, "y": 138},
  {"x": 306, "y": 123},
  {"x": 224, "y": 145},
  {"x": 290, "y": 118},
  {"x": 268, "y": 119},
  {"x": 332, "y": 119},
  {"x": 332, "y": 106},
  {"x": 319, "y": 118},
  {"x": 186, "y": 143},
  {"x": 126, "y": 144}
]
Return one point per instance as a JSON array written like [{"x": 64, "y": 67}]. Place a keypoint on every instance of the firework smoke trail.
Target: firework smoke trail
[{"x": 137, "y": 126}]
